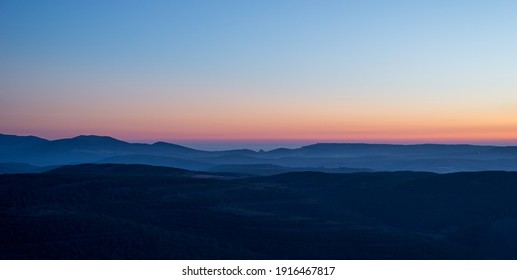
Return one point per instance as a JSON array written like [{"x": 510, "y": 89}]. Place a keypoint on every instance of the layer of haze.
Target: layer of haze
[{"x": 261, "y": 71}]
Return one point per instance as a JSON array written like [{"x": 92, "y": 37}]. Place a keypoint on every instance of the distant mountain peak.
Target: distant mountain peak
[
  {"x": 170, "y": 145},
  {"x": 162, "y": 143},
  {"x": 95, "y": 137},
  {"x": 12, "y": 136},
  {"x": 10, "y": 143}
]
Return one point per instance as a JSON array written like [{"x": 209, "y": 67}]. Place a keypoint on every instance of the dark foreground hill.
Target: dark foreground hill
[{"x": 143, "y": 212}]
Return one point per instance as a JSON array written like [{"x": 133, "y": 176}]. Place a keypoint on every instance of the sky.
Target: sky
[{"x": 231, "y": 73}]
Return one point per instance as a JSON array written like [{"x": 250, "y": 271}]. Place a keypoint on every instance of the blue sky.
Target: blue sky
[{"x": 384, "y": 71}]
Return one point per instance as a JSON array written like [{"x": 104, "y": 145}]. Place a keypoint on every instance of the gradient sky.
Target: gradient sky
[{"x": 239, "y": 71}]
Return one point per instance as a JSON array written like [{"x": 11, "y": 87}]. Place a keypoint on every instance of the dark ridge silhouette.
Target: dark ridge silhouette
[
  {"x": 83, "y": 142},
  {"x": 158, "y": 161},
  {"x": 354, "y": 149},
  {"x": 112, "y": 211},
  {"x": 174, "y": 149},
  {"x": 9, "y": 143},
  {"x": 272, "y": 169},
  {"x": 118, "y": 170}
]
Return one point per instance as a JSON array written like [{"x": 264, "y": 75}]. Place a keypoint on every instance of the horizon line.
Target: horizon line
[{"x": 291, "y": 142}]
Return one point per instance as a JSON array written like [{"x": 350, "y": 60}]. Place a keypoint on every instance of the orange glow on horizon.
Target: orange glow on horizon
[{"x": 251, "y": 118}]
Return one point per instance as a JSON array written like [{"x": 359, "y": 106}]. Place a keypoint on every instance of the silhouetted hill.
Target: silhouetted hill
[
  {"x": 271, "y": 169},
  {"x": 168, "y": 149},
  {"x": 9, "y": 143},
  {"x": 90, "y": 149},
  {"x": 118, "y": 170},
  {"x": 80, "y": 143},
  {"x": 158, "y": 161},
  {"x": 363, "y": 150},
  {"x": 114, "y": 211}
]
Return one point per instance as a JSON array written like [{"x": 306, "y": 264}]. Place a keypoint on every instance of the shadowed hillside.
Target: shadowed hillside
[
  {"x": 145, "y": 212},
  {"x": 9, "y": 143}
]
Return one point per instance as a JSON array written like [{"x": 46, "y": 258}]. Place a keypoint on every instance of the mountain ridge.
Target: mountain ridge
[{"x": 441, "y": 158}]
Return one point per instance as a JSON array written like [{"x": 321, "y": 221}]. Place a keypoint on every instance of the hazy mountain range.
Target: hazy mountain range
[
  {"x": 96, "y": 197},
  {"x": 34, "y": 154}
]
